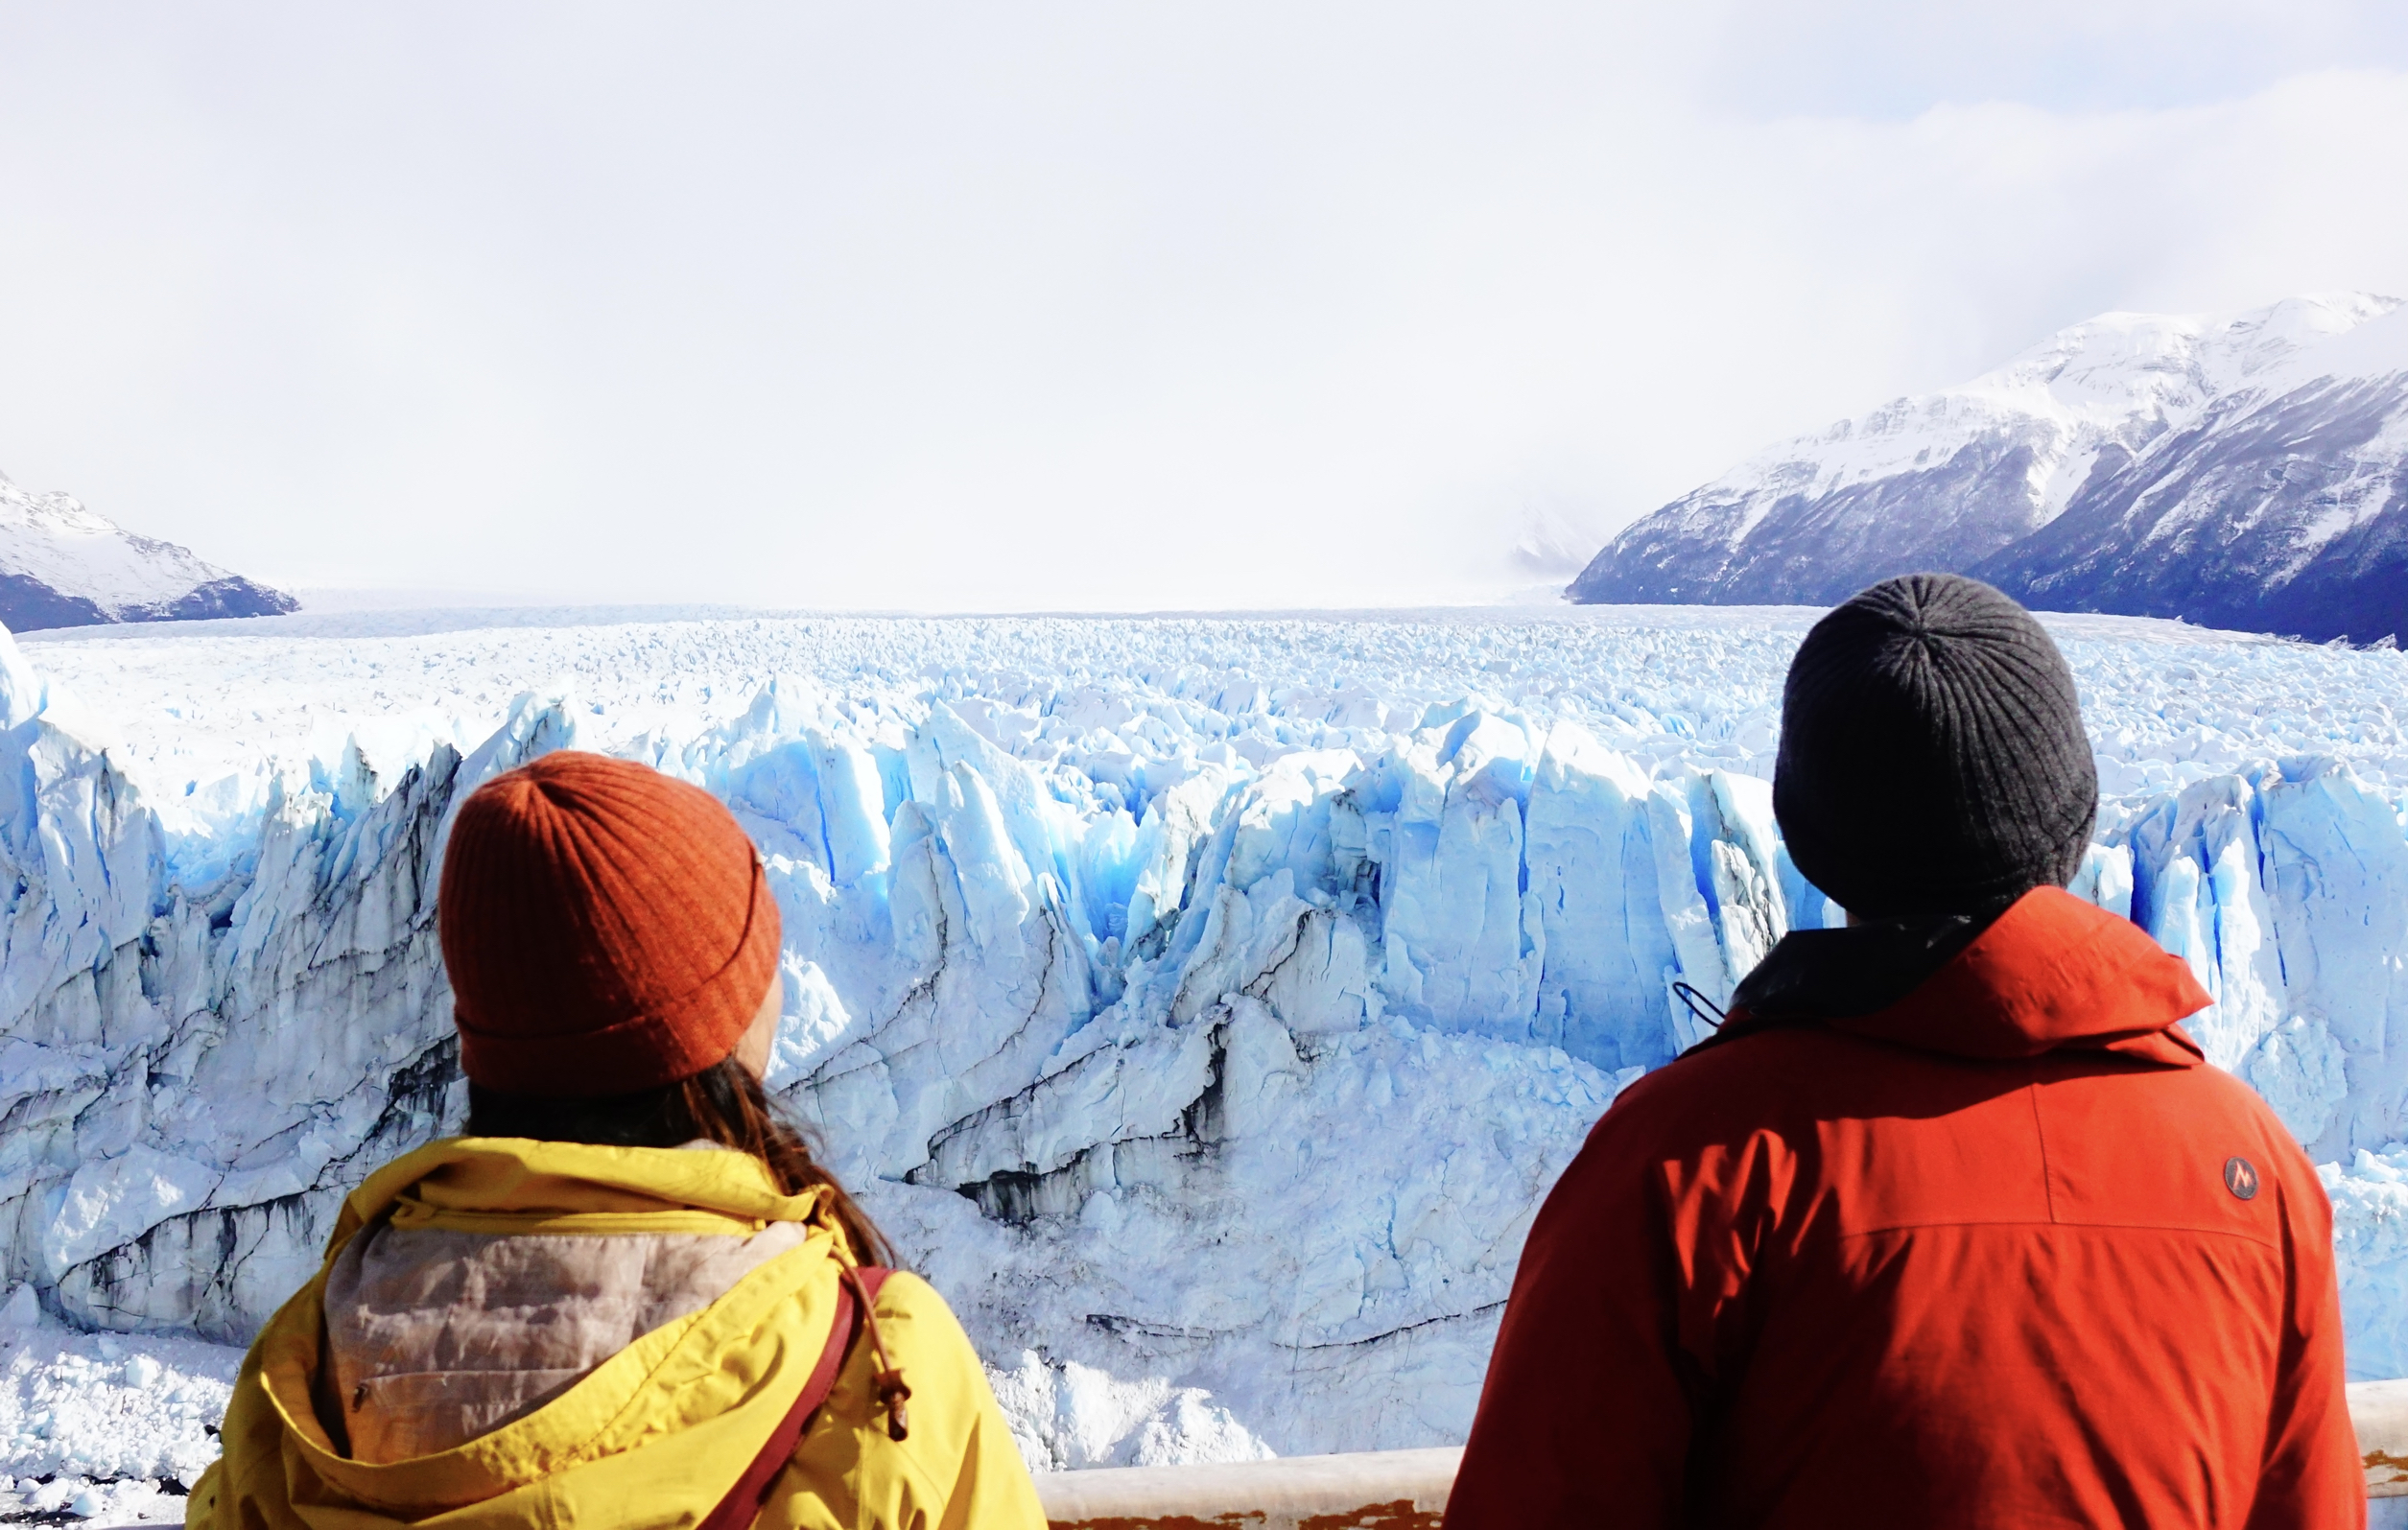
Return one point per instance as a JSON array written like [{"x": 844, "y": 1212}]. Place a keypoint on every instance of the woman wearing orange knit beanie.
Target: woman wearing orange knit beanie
[{"x": 630, "y": 1296}]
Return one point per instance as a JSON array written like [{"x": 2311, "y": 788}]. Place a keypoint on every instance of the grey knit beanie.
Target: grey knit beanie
[{"x": 1933, "y": 758}]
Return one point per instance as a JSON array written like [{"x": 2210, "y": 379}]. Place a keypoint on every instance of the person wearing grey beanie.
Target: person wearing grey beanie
[
  {"x": 1932, "y": 770},
  {"x": 1948, "y": 1225},
  {"x": 1933, "y": 758}
]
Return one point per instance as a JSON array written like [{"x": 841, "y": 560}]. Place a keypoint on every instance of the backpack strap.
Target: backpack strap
[{"x": 744, "y": 1501}]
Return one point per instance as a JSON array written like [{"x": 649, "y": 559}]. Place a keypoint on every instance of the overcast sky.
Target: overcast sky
[{"x": 1033, "y": 306}]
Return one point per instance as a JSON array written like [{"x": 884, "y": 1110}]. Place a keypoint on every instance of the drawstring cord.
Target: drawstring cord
[
  {"x": 893, "y": 1392},
  {"x": 1699, "y": 1005}
]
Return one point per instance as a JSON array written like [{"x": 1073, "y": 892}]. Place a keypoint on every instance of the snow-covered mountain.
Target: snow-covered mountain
[
  {"x": 2247, "y": 471},
  {"x": 63, "y": 566}
]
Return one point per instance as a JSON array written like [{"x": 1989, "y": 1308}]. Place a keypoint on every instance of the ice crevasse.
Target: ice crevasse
[{"x": 1214, "y": 1082}]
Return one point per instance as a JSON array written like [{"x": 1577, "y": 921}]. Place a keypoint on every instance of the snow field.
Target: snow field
[
  {"x": 1204, "y": 1003},
  {"x": 101, "y": 1426},
  {"x": 207, "y": 715}
]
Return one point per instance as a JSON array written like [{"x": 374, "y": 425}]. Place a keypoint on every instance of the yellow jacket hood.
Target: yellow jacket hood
[{"x": 657, "y": 1433}]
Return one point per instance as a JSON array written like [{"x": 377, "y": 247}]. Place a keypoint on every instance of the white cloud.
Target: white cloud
[{"x": 1055, "y": 306}]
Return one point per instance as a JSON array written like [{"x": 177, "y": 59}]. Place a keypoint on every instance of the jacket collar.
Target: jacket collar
[
  {"x": 516, "y": 1185},
  {"x": 2050, "y": 974},
  {"x": 1835, "y": 974}
]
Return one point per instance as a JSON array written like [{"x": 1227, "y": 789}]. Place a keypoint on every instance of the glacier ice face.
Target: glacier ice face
[
  {"x": 2282, "y": 888},
  {"x": 1204, "y": 1005},
  {"x": 2371, "y": 1248}
]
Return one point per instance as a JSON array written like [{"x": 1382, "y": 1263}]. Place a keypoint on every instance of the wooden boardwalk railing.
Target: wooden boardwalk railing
[
  {"x": 1406, "y": 1490},
  {"x": 1375, "y": 1489},
  {"x": 2380, "y": 1411}
]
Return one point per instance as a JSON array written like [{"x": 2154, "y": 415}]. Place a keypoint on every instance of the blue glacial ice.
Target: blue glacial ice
[{"x": 1204, "y": 1004}]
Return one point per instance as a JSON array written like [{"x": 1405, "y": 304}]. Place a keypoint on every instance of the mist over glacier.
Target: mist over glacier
[{"x": 1205, "y": 1004}]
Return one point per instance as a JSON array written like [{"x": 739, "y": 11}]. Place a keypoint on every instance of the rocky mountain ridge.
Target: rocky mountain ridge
[
  {"x": 63, "y": 565},
  {"x": 2248, "y": 471}
]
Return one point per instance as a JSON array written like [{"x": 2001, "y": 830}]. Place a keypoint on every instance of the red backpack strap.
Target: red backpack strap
[{"x": 744, "y": 1501}]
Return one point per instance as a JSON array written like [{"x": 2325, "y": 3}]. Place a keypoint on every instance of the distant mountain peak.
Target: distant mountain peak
[
  {"x": 64, "y": 565},
  {"x": 2123, "y": 356},
  {"x": 1976, "y": 478}
]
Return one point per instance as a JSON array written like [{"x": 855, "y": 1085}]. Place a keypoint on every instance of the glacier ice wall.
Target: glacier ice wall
[{"x": 1208, "y": 1033}]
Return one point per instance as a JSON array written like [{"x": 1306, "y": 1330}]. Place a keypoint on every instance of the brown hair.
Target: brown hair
[{"x": 723, "y": 1103}]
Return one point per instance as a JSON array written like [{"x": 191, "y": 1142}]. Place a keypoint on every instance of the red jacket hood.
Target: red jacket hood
[{"x": 2051, "y": 973}]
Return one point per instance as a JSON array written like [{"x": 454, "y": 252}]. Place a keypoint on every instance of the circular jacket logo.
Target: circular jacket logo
[{"x": 2240, "y": 1177}]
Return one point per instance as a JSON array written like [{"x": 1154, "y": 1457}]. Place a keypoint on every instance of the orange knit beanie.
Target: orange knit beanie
[{"x": 606, "y": 929}]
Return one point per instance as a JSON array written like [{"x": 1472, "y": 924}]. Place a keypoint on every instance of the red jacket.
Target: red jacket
[{"x": 1980, "y": 1258}]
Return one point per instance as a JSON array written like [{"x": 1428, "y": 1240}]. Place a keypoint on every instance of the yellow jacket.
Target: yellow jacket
[{"x": 656, "y": 1434}]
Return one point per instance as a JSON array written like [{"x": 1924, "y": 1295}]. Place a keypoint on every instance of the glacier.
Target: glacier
[{"x": 1203, "y": 1003}]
